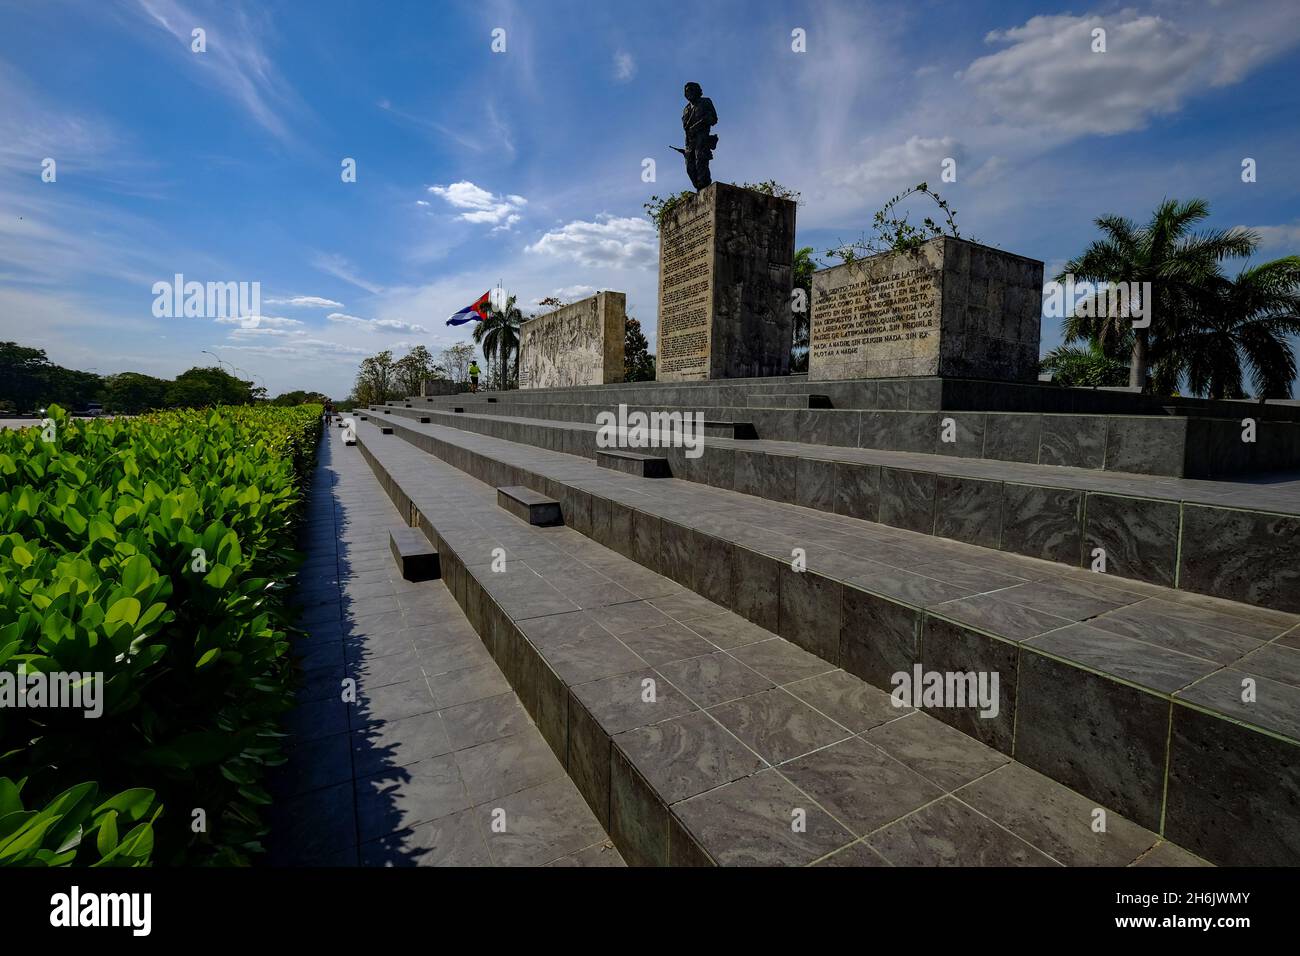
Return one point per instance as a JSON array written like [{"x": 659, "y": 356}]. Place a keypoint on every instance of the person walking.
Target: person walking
[{"x": 473, "y": 375}]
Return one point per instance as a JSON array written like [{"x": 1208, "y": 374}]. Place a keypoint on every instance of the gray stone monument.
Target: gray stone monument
[
  {"x": 951, "y": 308},
  {"x": 438, "y": 386},
  {"x": 726, "y": 257},
  {"x": 578, "y": 344}
]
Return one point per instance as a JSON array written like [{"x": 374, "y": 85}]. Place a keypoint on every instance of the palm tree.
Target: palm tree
[
  {"x": 499, "y": 335},
  {"x": 1085, "y": 367},
  {"x": 1179, "y": 264},
  {"x": 1239, "y": 328}
]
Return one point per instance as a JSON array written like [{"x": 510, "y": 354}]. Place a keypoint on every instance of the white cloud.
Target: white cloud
[
  {"x": 1285, "y": 237},
  {"x": 258, "y": 321},
  {"x": 901, "y": 165},
  {"x": 252, "y": 331},
  {"x": 609, "y": 241},
  {"x": 570, "y": 293},
  {"x": 1049, "y": 77},
  {"x": 307, "y": 302},
  {"x": 480, "y": 206},
  {"x": 624, "y": 66},
  {"x": 305, "y": 348},
  {"x": 386, "y": 325}
]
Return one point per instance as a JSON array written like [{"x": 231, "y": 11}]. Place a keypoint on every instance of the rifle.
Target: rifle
[{"x": 679, "y": 149}]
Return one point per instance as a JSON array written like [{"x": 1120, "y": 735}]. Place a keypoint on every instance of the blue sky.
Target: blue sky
[{"x": 526, "y": 166}]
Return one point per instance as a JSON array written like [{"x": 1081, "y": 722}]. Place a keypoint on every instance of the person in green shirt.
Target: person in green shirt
[{"x": 473, "y": 375}]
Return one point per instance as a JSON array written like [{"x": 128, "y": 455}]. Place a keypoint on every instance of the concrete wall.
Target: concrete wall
[{"x": 578, "y": 344}]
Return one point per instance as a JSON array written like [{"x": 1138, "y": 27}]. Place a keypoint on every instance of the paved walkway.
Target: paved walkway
[{"x": 436, "y": 763}]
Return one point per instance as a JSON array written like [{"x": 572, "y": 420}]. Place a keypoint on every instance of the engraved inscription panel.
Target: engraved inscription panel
[
  {"x": 874, "y": 322},
  {"x": 685, "y": 296}
]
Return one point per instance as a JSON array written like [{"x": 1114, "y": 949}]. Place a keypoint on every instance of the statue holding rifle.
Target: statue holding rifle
[{"x": 697, "y": 118}]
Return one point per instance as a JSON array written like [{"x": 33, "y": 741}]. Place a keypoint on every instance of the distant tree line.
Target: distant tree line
[{"x": 30, "y": 382}]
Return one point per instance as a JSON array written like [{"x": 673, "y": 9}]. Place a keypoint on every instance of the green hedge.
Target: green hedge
[{"x": 154, "y": 551}]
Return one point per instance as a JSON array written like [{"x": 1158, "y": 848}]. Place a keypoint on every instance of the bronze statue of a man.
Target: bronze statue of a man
[{"x": 697, "y": 117}]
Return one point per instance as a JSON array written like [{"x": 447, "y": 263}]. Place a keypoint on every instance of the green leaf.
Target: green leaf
[
  {"x": 106, "y": 842},
  {"x": 133, "y": 804},
  {"x": 11, "y": 800},
  {"x": 124, "y": 609}
]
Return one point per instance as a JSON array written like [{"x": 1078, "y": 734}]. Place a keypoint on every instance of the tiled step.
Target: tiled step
[
  {"x": 434, "y": 761},
  {"x": 907, "y": 394},
  {"x": 529, "y": 506},
  {"x": 1104, "y": 681},
  {"x": 417, "y": 560},
  {"x": 699, "y": 737},
  {"x": 722, "y": 428},
  {"x": 633, "y": 463},
  {"x": 788, "y": 400},
  {"x": 1173, "y": 446},
  {"x": 1232, "y": 540}
]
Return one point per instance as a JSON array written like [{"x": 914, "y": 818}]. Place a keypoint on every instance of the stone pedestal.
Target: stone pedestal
[
  {"x": 951, "y": 308},
  {"x": 438, "y": 386},
  {"x": 578, "y": 344},
  {"x": 725, "y": 273}
]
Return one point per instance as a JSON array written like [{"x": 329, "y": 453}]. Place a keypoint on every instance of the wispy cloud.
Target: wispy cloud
[
  {"x": 376, "y": 325},
  {"x": 339, "y": 267},
  {"x": 608, "y": 241},
  {"x": 624, "y": 66},
  {"x": 234, "y": 62},
  {"x": 307, "y": 302}
]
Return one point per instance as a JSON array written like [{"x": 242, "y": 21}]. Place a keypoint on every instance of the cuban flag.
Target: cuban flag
[{"x": 472, "y": 313}]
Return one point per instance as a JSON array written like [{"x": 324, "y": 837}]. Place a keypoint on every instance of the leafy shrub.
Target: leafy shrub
[
  {"x": 155, "y": 551},
  {"x": 72, "y": 828}
]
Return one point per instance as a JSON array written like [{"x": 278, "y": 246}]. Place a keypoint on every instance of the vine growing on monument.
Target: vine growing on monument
[{"x": 895, "y": 233}]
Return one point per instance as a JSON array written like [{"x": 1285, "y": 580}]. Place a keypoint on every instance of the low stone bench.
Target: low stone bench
[
  {"x": 740, "y": 431},
  {"x": 634, "y": 463},
  {"x": 529, "y": 506},
  {"x": 416, "y": 558}
]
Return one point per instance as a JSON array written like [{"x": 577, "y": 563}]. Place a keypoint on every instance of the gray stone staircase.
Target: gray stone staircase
[
  {"x": 1238, "y": 540},
  {"x": 1115, "y": 694}
]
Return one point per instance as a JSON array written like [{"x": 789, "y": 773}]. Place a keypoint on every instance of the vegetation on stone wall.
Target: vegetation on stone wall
[{"x": 893, "y": 232}]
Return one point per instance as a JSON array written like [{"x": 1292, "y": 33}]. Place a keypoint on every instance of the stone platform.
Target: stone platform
[
  {"x": 697, "y": 734},
  {"x": 1119, "y": 689}
]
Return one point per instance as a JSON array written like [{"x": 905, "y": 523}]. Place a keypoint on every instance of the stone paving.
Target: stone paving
[
  {"x": 437, "y": 747},
  {"x": 745, "y": 727}
]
